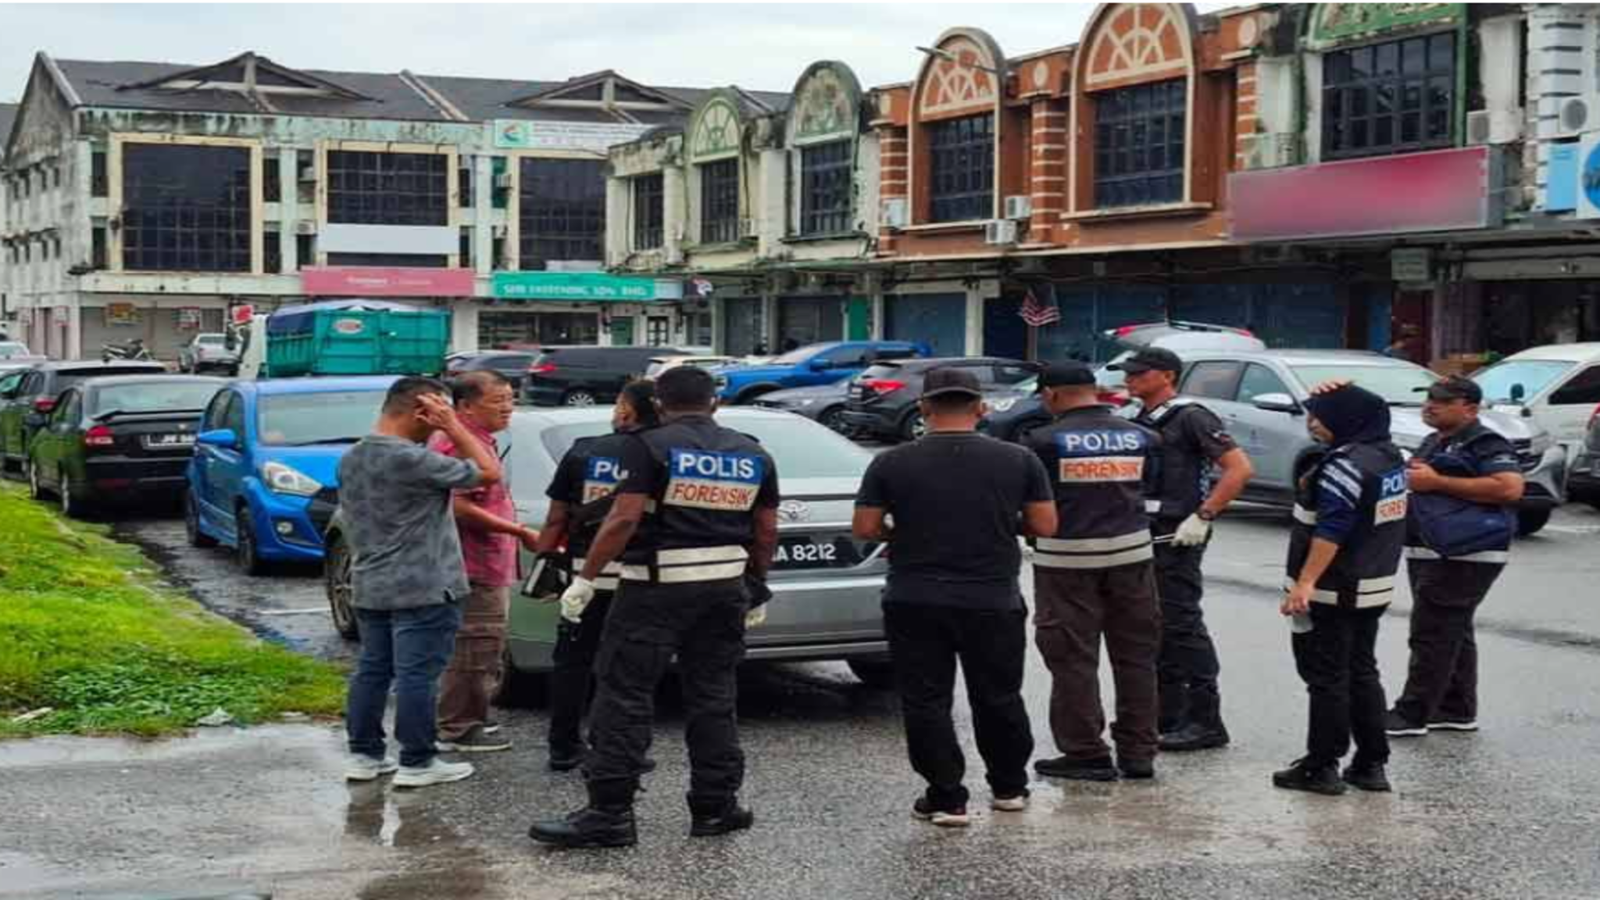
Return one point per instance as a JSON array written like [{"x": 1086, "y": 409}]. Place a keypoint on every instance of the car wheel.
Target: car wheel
[
  {"x": 1531, "y": 521},
  {"x": 521, "y": 689},
  {"x": 875, "y": 672},
  {"x": 191, "y": 523},
  {"x": 577, "y": 398},
  {"x": 71, "y": 506},
  {"x": 913, "y": 426},
  {"x": 833, "y": 419},
  {"x": 336, "y": 573},
  {"x": 35, "y": 489},
  {"x": 245, "y": 545}
]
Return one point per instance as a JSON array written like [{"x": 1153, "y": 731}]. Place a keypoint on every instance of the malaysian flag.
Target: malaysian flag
[{"x": 1038, "y": 314}]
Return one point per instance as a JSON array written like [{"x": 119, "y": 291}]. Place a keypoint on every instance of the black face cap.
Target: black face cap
[
  {"x": 1455, "y": 387},
  {"x": 948, "y": 380},
  {"x": 1150, "y": 358},
  {"x": 1066, "y": 374}
]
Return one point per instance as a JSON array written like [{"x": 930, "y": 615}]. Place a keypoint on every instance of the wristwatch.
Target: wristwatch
[{"x": 1205, "y": 516}]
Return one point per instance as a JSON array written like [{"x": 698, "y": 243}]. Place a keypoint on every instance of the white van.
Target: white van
[{"x": 1558, "y": 386}]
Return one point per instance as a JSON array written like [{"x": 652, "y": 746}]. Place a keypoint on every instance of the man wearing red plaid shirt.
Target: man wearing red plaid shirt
[{"x": 489, "y": 537}]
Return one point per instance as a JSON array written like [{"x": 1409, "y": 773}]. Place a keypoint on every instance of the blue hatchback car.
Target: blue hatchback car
[
  {"x": 265, "y": 474},
  {"x": 809, "y": 366}
]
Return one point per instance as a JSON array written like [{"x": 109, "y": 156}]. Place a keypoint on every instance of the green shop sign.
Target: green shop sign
[
  {"x": 1340, "y": 22},
  {"x": 582, "y": 287}
]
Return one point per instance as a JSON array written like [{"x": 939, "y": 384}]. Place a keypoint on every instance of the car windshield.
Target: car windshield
[
  {"x": 1533, "y": 374},
  {"x": 210, "y": 340},
  {"x": 799, "y": 355},
  {"x": 1399, "y": 385},
  {"x": 8, "y": 349},
  {"x": 800, "y": 447},
  {"x": 154, "y": 396},
  {"x": 325, "y": 417}
]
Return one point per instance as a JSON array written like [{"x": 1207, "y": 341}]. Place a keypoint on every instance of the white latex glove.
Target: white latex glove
[
  {"x": 576, "y": 598},
  {"x": 756, "y": 617},
  {"x": 1192, "y": 533}
]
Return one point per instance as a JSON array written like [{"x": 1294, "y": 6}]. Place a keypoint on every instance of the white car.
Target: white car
[
  {"x": 661, "y": 364},
  {"x": 1179, "y": 337},
  {"x": 1558, "y": 386}
]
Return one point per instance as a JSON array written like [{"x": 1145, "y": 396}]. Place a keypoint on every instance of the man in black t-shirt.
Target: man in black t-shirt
[{"x": 951, "y": 506}]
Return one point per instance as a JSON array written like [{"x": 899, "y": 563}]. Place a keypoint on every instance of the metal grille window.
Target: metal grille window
[
  {"x": 825, "y": 188},
  {"x": 271, "y": 181},
  {"x": 1139, "y": 144},
  {"x": 366, "y": 188},
  {"x": 649, "y": 214},
  {"x": 719, "y": 201},
  {"x": 185, "y": 208},
  {"x": 1396, "y": 97},
  {"x": 961, "y": 169},
  {"x": 562, "y": 210}
]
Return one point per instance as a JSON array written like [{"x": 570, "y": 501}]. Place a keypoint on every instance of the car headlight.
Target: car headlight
[
  {"x": 1004, "y": 404},
  {"x": 282, "y": 479}
]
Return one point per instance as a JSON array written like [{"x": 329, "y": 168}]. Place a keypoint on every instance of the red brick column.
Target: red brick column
[
  {"x": 1245, "y": 116},
  {"x": 894, "y": 173},
  {"x": 1047, "y": 169}
]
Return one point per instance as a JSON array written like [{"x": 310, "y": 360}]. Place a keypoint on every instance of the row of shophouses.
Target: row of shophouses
[{"x": 1326, "y": 175}]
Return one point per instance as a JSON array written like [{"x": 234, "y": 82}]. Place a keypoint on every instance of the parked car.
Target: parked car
[
  {"x": 15, "y": 355},
  {"x": 1261, "y": 396},
  {"x": 123, "y": 438},
  {"x": 1011, "y": 416},
  {"x": 826, "y": 584},
  {"x": 659, "y": 364},
  {"x": 821, "y": 403},
  {"x": 1558, "y": 386},
  {"x": 513, "y": 365},
  {"x": 810, "y": 365},
  {"x": 1583, "y": 475},
  {"x": 883, "y": 399},
  {"x": 265, "y": 475},
  {"x": 585, "y": 376},
  {"x": 208, "y": 351},
  {"x": 34, "y": 391}
]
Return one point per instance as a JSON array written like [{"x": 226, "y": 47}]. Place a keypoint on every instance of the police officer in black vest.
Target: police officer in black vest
[
  {"x": 695, "y": 523},
  {"x": 1194, "y": 442},
  {"x": 580, "y": 497},
  {"x": 1344, "y": 553},
  {"x": 1094, "y": 578}
]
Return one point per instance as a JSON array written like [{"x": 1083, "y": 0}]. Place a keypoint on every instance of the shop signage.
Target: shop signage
[
  {"x": 1588, "y": 186},
  {"x": 582, "y": 287},
  {"x": 1411, "y": 265},
  {"x": 189, "y": 318},
  {"x": 121, "y": 314},
  {"x": 1446, "y": 190},
  {"x": 1564, "y": 176},
  {"x": 517, "y": 134},
  {"x": 367, "y": 281}
]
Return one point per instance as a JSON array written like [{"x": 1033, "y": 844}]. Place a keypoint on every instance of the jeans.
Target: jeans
[
  {"x": 408, "y": 647},
  {"x": 926, "y": 641},
  {"x": 473, "y": 676},
  {"x": 1443, "y": 677},
  {"x": 1337, "y": 660},
  {"x": 702, "y": 623},
  {"x": 1187, "y": 668},
  {"x": 572, "y": 679},
  {"x": 1077, "y": 608}
]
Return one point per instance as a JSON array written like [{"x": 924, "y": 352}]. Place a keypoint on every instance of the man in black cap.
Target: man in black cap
[
  {"x": 1202, "y": 471},
  {"x": 1095, "y": 576},
  {"x": 958, "y": 501},
  {"x": 1464, "y": 479}
]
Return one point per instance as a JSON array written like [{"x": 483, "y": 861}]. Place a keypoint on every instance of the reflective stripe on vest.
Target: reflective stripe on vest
[
  {"x": 1305, "y": 516},
  {"x": 1092, "y": 553},
  {"x": 690, "y": 564},
  {"x": 1369, "y": 592},
  {"x": 607, "y": 580}
]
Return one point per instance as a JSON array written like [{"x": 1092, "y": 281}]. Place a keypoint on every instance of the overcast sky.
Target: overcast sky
[{"x": 755, "y": 45}]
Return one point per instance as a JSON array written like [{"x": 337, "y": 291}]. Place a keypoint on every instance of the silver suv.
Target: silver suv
[{"x": 1260, "y": 395}]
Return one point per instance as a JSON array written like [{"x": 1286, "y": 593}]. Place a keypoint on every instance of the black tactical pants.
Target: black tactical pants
[
  {"x": 1443, "y": 679},
  {"x": 572, "y": 679},
  {"x": 1337, "y": 660},
  {"x": 1187, "y": 667},
  {"x": 703, "y": 624}
]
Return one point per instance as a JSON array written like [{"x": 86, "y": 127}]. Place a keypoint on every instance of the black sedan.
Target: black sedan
[
  {"x": 883, "y": 399},
  {"x": 513, "y": 365},
  {"x": 122, "y": 438},
  {"x": 27, "y": 396}
]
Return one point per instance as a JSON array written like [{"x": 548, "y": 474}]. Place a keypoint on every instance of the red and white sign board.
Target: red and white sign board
[{"x": 365, "y": 281}]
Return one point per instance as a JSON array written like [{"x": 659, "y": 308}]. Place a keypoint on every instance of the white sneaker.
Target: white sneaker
[
  {"x": 1018, "y": 803},
  {"x": 437, "y": 771},
  {"x": 361, "y": 767}
]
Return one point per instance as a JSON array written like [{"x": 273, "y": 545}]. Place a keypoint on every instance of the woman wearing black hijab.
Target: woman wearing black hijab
[{"x": 1344, "y": 553}]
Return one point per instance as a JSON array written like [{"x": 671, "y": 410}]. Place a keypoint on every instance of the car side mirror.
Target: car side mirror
[
  {"x": 1518, "y": 393},
  {"x": 218, "y": 437},
  {"x": 1277, "y": 402}
]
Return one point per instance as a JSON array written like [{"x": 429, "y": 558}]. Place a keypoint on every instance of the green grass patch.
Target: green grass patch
[{"x": 87, "y": 628}]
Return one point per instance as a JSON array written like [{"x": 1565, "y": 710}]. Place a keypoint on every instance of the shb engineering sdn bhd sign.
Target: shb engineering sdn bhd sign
[{"x": 583, "y": 287}]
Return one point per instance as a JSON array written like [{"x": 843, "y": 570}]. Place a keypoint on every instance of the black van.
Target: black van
[{"x": 585, "y": 376}]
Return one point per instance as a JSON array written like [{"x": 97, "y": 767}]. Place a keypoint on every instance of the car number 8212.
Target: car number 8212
[{"x": 807, "y": 552}]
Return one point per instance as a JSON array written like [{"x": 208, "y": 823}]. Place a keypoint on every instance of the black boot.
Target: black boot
[
  {"x": 1101, "y": 769},
  {"x": 1368, "y": 777},
  {"x": 1304, "y": 776},
  {"x": 566, "y": 757},
  {"x": 711, "y": 819},
  {"x": 1195, "y": 736},
  {"x": 589, "y": 827}
]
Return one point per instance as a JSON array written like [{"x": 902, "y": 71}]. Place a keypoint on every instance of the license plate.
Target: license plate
[
  {"x": 816, "y": 552},
  {"x": 169, "y": 440}
]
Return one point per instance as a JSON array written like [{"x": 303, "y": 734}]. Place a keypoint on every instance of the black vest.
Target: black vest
[
  {"x": 707, "y": 481},
  {"x": 1186, "y": 473},
  {"x": 1363, "y": 574},
  {"x": 601, "y": 461},
  {"x": 1100, "y": 467}
]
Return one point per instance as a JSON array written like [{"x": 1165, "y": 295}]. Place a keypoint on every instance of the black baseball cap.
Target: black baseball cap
[
  {"x": 947, "y": 380},
  {"x": 1147, "y": 359},
  {"x": 1066, "y": 374},
  {"x": 1455, "y": 387}
]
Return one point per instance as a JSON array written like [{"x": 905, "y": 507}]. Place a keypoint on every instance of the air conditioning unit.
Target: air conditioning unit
[
  {"x": 895, "y": 213},
  {"x": 502, "y": 182},
  {"x": 305, "y": 226},
  {"x": 1478, "y": 127},
  {"x": 1575, "y": 116},
  {"x": 747, "y": 228},
  {"x": 308, "y": 174},
  {"x": 1019, "y": 207},
  {"x": 1000, "y": 232},
  {"x": 1493, "y": 126}
]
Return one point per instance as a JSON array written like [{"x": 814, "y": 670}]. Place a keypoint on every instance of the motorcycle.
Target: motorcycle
[{"x": 134, "y": 349}]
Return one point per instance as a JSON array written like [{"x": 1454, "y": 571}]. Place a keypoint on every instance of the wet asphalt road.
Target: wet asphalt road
[{"x": 1513, "y": 811}]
